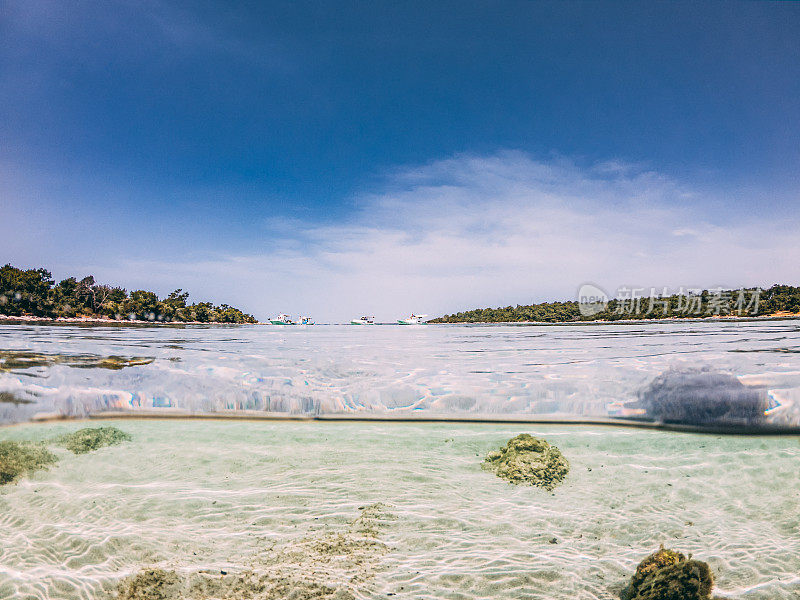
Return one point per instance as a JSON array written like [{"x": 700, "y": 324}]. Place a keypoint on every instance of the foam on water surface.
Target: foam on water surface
[{"x": 285, "y": 499}]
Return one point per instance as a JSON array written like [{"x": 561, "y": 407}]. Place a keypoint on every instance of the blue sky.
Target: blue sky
[{"x": 346, "y": 158}]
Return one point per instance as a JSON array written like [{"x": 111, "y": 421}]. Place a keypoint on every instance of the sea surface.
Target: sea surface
[
  {"x": 266, "y": 510},
  {"x": 554, "y": 371}
]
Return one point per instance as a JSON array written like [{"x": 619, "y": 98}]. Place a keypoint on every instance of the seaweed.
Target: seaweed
[
  {"x": 92, "y": 438},
  {"x": 528, "y": 460},
  {"x": 669, "y": 575},
  {"x": 20, "y": 458}
]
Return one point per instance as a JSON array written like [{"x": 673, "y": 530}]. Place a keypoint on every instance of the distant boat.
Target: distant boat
[
  {"x": 306, "y": 321},
  {"x": 282, "y": 320},
  {"x": 363, "y": 321},
  {"x": 412, "y": 320}
]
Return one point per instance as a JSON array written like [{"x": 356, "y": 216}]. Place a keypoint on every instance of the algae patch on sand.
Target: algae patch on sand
[
  {"x": 348, "y": 555},
  {"x": 20, "y": 458},
  {"x": 528, "y": 460},
  {"x": 329, "y": 564},
  {"x": 92, "y": 438},
  {"x": 159, "y": 584},
  {"x": 150, "y": 584},
  {"x": 669, "y": 575}
]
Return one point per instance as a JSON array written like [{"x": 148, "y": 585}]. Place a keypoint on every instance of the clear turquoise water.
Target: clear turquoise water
[
  {"x": 202, "y": 497},
  {"x": 209, "y": 495}
]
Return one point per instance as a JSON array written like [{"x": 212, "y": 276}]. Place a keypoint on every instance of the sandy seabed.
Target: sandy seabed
[{"x": 365, "y": 510}]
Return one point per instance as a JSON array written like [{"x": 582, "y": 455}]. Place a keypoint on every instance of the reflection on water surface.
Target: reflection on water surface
[{"x": 596, "y": 371}]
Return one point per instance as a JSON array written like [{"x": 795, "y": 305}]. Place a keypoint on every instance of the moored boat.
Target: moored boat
[
  {"x": 412, "y": 320},
  {"x": 282, "y": 320},
  {"x": 363, "y": 321}
]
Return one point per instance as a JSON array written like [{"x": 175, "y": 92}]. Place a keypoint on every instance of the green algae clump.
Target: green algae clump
[
  {"x": 20, "y": 458},
  {"x": 92, "y": 438},
  {"x": 669, "y": 575},
  {"x": 528, "y": 460}
]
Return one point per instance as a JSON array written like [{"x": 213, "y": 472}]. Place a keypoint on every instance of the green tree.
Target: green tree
[{"x": 25, "y": 292}]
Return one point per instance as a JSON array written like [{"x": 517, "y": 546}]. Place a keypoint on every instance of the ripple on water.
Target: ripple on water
[{"x": 578, "y": 370}]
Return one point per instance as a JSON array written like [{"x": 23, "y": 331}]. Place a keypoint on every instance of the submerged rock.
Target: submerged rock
[
  {"x": 669, "y": 575},
  {"x": 11, "y": 360},
  {"x": 703, "y": 397},
  {"x": 20, "y": 458},
  {"x": 529, "y": 460},
  {"x": 92, "y": 438},
  {"x": 9, "y": 398}
]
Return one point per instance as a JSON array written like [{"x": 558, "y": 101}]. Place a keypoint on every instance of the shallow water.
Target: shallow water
[
  {"x": 572, "y": 370},
  {"x": 208, "y": 495},
  {"x": 289, "y": 500}
]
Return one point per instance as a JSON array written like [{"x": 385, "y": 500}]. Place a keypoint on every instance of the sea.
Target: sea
[{"x": 345, "y": 462}]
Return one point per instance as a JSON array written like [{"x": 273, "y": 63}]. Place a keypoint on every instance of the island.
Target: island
[
  {"x": 33, "y": 294},
  {"x": 776, "y": 301}
]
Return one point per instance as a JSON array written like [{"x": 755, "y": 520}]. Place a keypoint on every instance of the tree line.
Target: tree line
[
  {"x": 744, "y": 302},
  {"x": 33, "y": 292}
]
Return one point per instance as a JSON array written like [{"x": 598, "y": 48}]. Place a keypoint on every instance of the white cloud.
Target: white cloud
[{"x": 485, "y": 231}]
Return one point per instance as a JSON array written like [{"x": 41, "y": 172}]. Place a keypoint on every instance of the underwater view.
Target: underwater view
[
  {"x": 264, "y": 510},
  {"x": 589, "y": 502}
]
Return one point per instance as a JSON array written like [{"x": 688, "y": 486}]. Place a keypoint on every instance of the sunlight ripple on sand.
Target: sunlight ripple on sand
[{"x": 196, "y": 496}]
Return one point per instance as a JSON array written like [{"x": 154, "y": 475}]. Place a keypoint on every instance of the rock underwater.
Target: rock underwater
[
  {"x": 703, "y": 397},
  {"x": 669, "y": 575},
  {"x": 528, "y": 460}
]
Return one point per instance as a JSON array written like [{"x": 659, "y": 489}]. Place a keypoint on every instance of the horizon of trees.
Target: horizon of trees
[
  {"x": 745, "y": 302},
  {"x": 33, "y": 292}
]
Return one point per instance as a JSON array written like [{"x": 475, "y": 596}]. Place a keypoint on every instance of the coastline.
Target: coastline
[
  {"x": 29, "y": 319},
  {"x": 714, "y": 319},
  {"x": 103, "y": 321}
]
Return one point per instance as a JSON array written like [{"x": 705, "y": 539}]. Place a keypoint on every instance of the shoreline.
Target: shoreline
[
  {"x": 102, "y": 321},
  {"x": 28, "y": 319},
  {"x": 712, "y": 319},
  {"x": 233, "y": 416}
]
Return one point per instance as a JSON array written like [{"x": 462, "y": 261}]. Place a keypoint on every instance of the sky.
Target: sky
[{"x": 340, "y": 158}]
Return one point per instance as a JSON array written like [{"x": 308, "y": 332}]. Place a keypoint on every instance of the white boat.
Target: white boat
[
  {"x": 282, "y": 320},
  {"x": 412, "y": 320},
  {"x": 363, "y": 321},
  {"x": 306, "y": 321}
]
